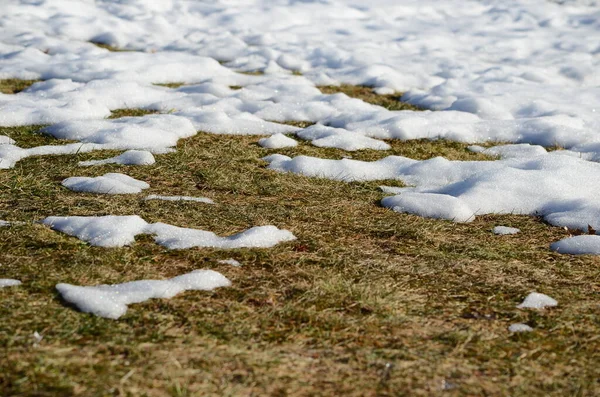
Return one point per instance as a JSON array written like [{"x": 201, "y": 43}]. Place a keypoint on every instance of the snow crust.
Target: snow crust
[
  {"x": 578, "y": 245},
  {"x": 112, "y": 183},
  {"x": 504, "y": 230},
  {"x": 111, "y": 301},
  {"x": 118, "y": 231},
  {"x": 9, "y": 282},
  {"x": 130, "y": 157},
  {"x": 179, "y": 198},
  {"x": 535, "y": 300}
]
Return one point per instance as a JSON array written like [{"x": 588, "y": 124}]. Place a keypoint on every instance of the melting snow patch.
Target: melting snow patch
[
  {"x": 519, "y": 327},
  {"x": 118, "y": 231},
  {"x": 9, "y": 282},
  {"x": 430, "y": 205},
  {"x": 4, "y": 223},
  {"x": 230, "y": 261},
  {"x": 323, "y": 136},
  {"x": 4, "y": 140},
  {"x": 277, "y": 141},
  {"x": 179, "y": 198},
  {"x": 111, "y": 301},
  {"x": 578, "y": 245},
  {"x": 112, "y": 183},
  {"x": 536, "y": 300},
  {"x": 173, "y": 237},
  {"x": 101, "y": 231},
  {"x": 503, "y": 230},
  {"x": 130, "y": 157}
]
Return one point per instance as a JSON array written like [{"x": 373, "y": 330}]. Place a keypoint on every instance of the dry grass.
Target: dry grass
[
  {"x": 13, "y": 86},
  {"x": 367, "y": 94},
  {"x": 366, "y": 302}
]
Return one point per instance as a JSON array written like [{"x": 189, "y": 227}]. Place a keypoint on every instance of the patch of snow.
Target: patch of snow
[
  {"x": 323, "y": 136},
  {"x": 9, "y": 282},
  {"x": 4, "y": 223},
  {"x": 277, "y": 141},
  {"x": 111, "y": 301},
  {"x": 230, "y": 261},
  {"x": 118, "y": 231},
  {"x": 519, "y": 327},
  {"x": 503, "y": 230},
  {"x": 536, "y": 300},
  {"x": 112, "y": 183},
  {"x": 430, "y": 205},
  {"x": 5, "y": 140},
  {"x": 578, "y": 245},
  {"x": 130, "y": 157},
  {"x": 179, "y": 198}
]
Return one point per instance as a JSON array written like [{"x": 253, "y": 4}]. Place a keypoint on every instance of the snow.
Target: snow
[
  {"x": 504, "y": 230},
  {"x": 118, "y": 231},
  {"x": 578, "y": 245},
  {"x": 4, "y": 223},
  {"x": 535, "y": 300},
  {"x": 519, "y": 327},
  {"x": 112, "y": 183},
  {"x": 130, "y": 157},
  {"x": 430, "y": 205},
  {"x": 111, "y": 301},
  {"x": 8, "y": 282},
  {"x": 277, "y": 141},
  {"x": 230, "y": 261},
  {"x": 563, "y": 189},
  {"x": 179, "y": 198},
  {"x": 323, "y": 136}
]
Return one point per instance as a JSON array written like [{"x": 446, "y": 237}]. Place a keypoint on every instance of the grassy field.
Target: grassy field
[{"x": 366, "y": 302}]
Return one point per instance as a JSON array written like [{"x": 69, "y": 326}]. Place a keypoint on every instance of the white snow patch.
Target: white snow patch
[
  {"x": 503, "y": 230},
  {"x": 179, "y": 198},
  {"x": 323, "y": 136},
  {"x": 111, "y": 183},
  {"x": 578, "y": 245},
  {"x": 111, "y": 301},
  {"x": 277, "y": 141},
  {"x": 173, "y": 237},
  {"x": 536, "y": 300},
  {"x": 9, "y": 282},
  {"x": 130, "y": 157},
  {"x": 4, "y": 223},
  {"x": 5, "y": 140},
  {"x": 230, "y": 261},
  {"x": 118, "y": 231},
  {"x": 430, "y": 205},
  {"x": 519, "y": 327}
]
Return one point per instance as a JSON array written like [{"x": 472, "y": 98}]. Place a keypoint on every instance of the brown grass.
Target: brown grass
[
  {"x": 366, "y": 302},
  {"x": 367, "y": 94},
  {"x": 13, "y": 86}
]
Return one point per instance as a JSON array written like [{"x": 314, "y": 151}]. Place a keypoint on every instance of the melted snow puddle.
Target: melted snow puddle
[
  {"x": 118, "y": 231},
  {"x": 111, "y": 301}
]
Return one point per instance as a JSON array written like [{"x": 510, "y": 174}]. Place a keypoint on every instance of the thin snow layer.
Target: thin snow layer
[
  {"x": 111, "y": 301},
  {"x": 4, "y": 223},
  {"x": 503, "y": 230},
  {"x": 205, "y": 200},
  {"x": 519, "y": 327},
  {"x": 578, "y": 245},
  {"x": 430, "y": 205},
  {"x": 277, "y": 141},
  {"x": 130, "y": 157},
  {"x": 173, "y": 237},
  {"x": 563, "y": 189},
  {"x": 118, "y": 231},
  {"x": 112, "y": 183},
  {"x": 9, "y": 282},
  {"x": 535, "y": 300}
]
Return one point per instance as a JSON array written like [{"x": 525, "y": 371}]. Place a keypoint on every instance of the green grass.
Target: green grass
[{"x": 366, "y": 302}]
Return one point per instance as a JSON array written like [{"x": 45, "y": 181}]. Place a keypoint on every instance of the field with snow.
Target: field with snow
[{"x": 299, "y": 197}]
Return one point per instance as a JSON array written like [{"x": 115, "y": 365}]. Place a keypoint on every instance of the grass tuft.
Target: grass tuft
[
  {"x": 367, "y": 94},
  {"x": 13, "y": 86}
]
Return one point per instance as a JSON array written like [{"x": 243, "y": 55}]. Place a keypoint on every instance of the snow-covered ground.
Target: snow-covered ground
[{"x": 526, "y": 73}]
